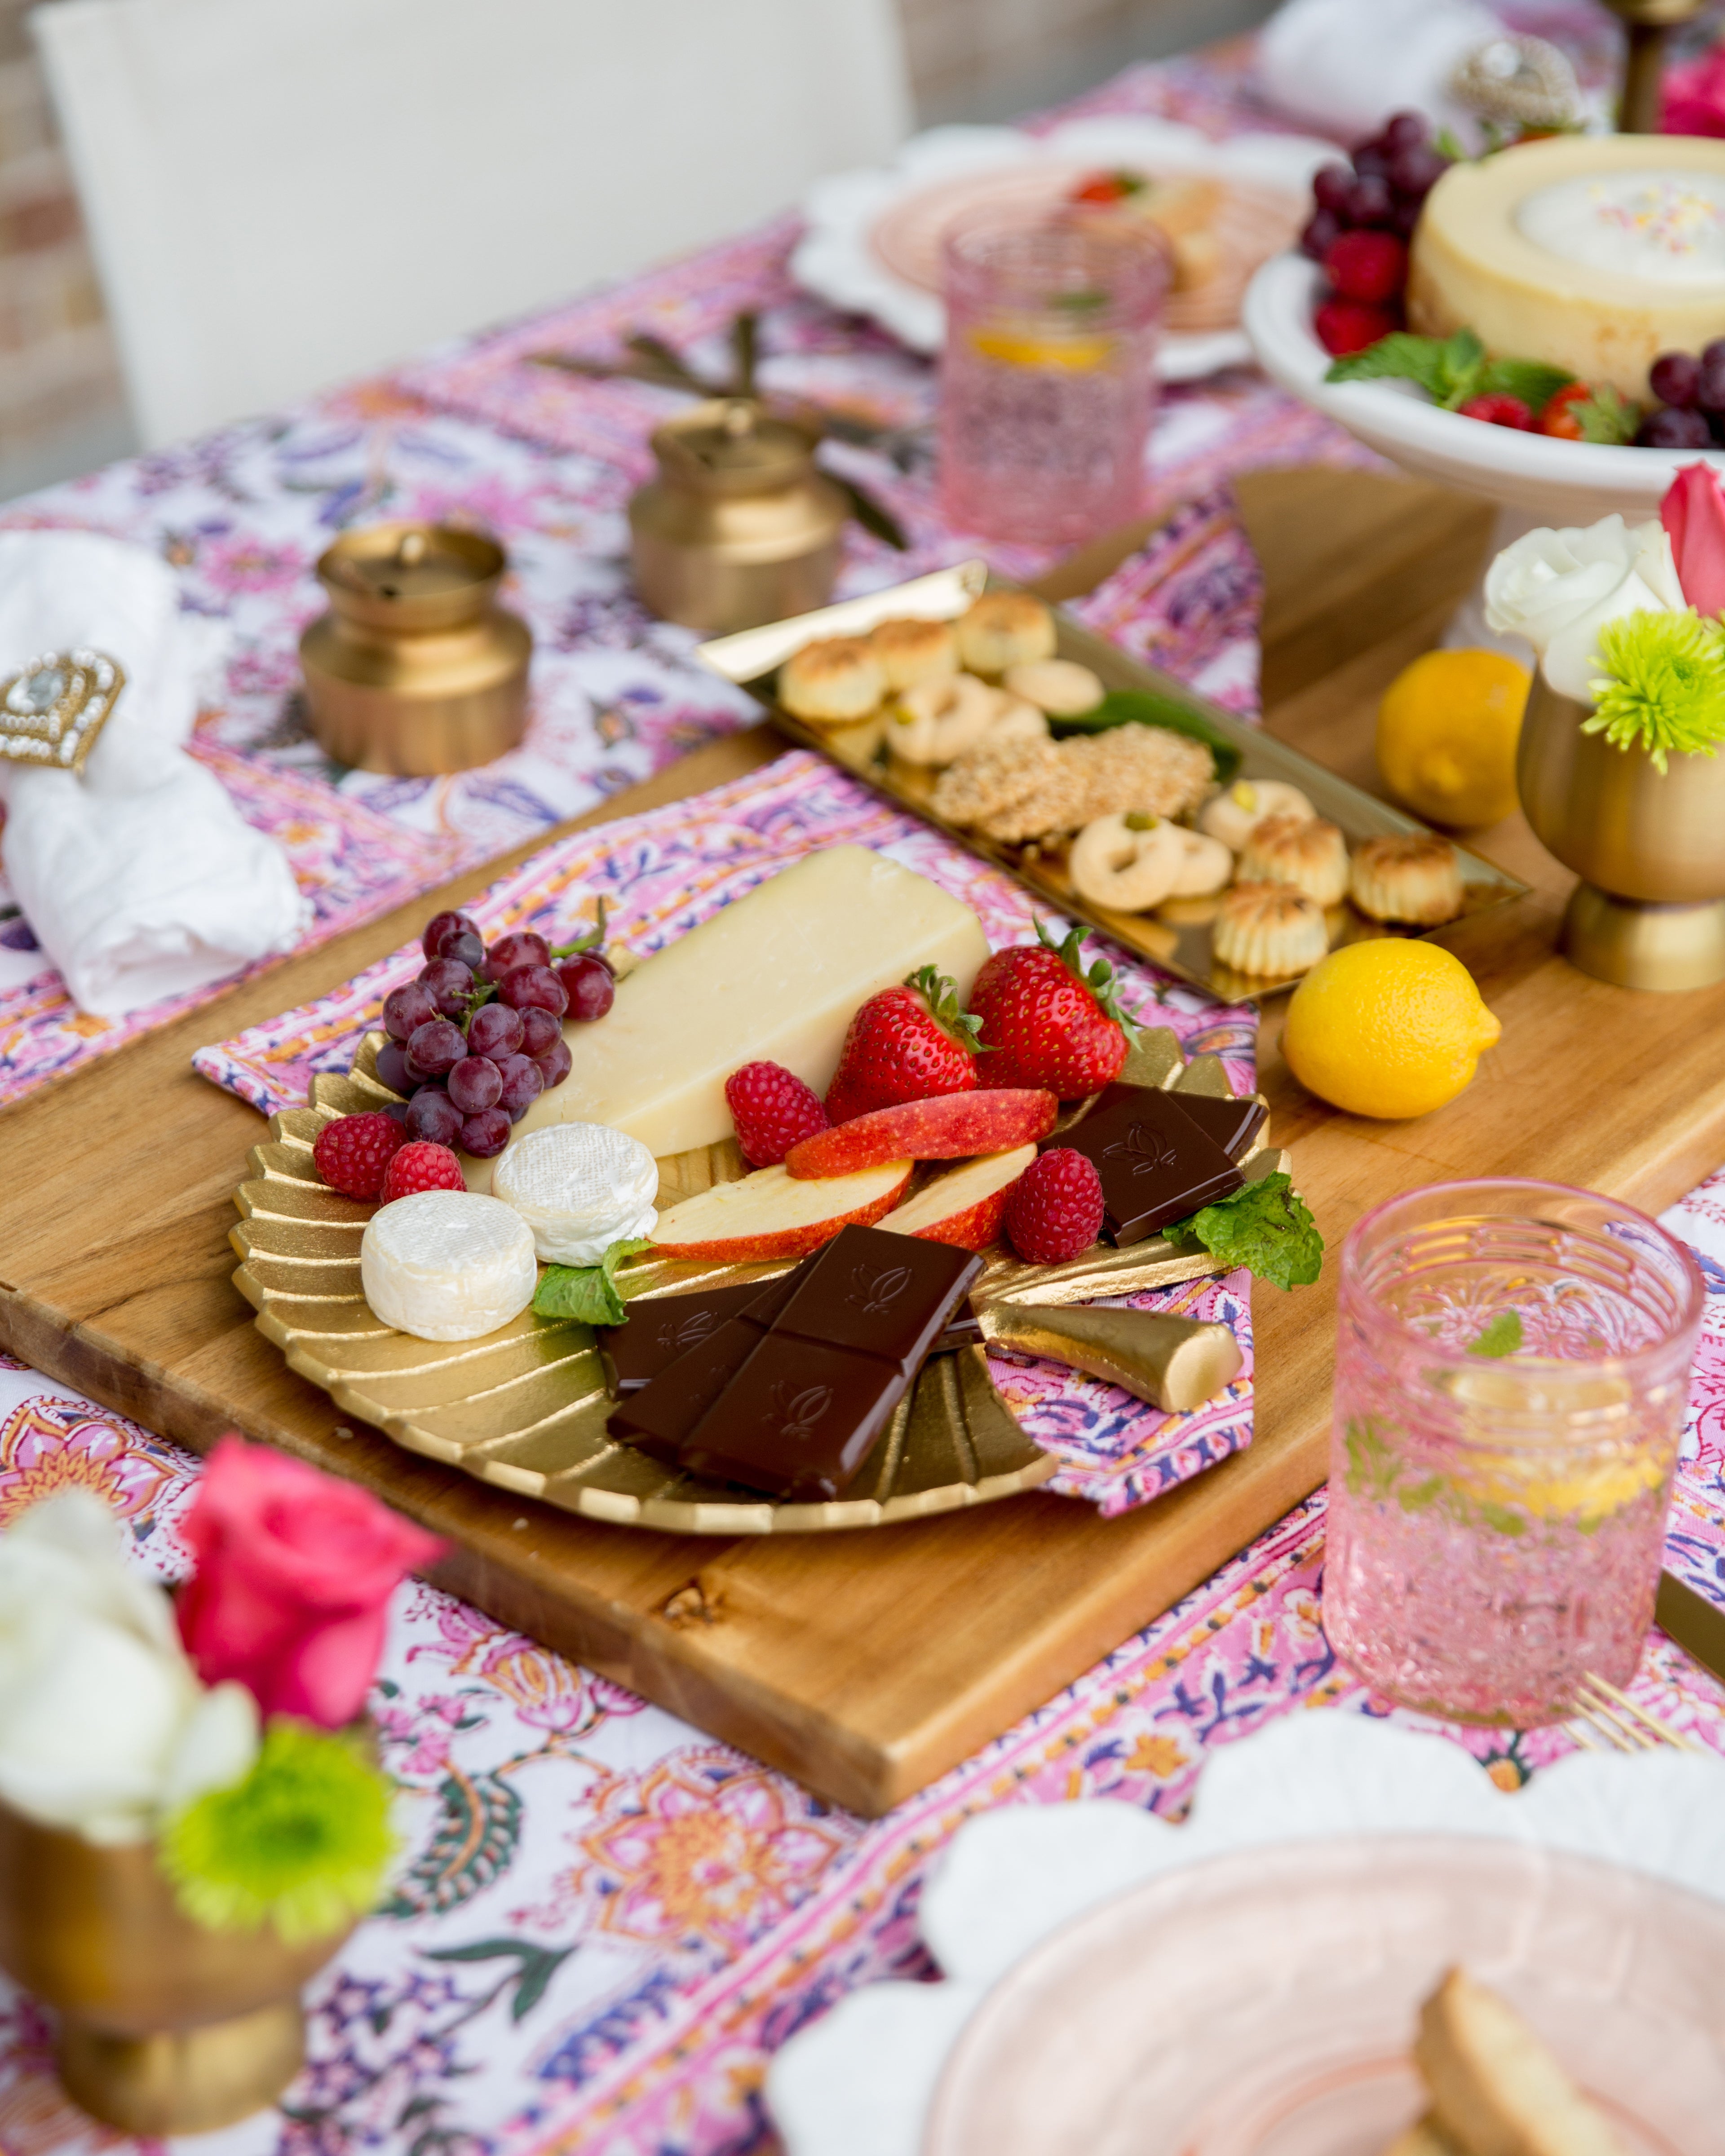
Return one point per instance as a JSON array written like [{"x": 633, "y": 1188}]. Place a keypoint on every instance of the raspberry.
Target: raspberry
[
  {"x": 1369, "y": 266},
  {"x": 772, "y": 1109},
  {"x": 352, "y": 1154},
  {"x": 1345, "y": 326},
  {"x": 1498, "y": 410},
  {"x": 1056, "y": 1209},
  {"x": 421, "y": 1166}
]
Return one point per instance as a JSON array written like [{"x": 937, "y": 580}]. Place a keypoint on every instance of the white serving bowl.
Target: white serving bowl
[{"x": 1549, "y": 481}]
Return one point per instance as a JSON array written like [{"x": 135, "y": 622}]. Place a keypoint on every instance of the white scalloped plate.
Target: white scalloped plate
[
  {"x": 837, "y": 259},
  {"x": 864, "y": 2080}
]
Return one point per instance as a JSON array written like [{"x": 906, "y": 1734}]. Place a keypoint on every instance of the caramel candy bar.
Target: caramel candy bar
[
  {"x": 800, "y": 1418},
  {"x": 662, "y": 1328},
  {"x": 1157, "y": 1166}
]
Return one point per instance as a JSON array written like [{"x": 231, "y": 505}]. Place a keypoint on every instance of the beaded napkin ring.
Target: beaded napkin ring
[{"x": 52, "y": 711}]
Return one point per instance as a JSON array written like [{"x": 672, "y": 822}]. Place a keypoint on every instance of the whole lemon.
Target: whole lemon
[
  {"x": 1390, "y": 1028},
  {"x": 1447, "y": 730}
]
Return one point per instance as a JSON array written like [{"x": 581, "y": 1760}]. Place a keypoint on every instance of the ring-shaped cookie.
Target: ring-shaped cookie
[
  {"x": 1128, "y": 869},
  {"x": 937, "y": 721},
  {"x": 1230, "y": 814},
  {"x": 1205, "y": 865}
]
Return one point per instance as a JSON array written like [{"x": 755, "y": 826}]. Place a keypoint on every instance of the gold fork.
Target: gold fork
[{"x": 1608, "y": 1720}]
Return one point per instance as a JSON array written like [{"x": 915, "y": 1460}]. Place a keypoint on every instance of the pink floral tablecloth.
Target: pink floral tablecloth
[{"x": 603, "y": 1922}]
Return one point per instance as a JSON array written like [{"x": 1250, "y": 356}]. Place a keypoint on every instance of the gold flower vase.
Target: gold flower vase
[
  {"x": 166, "y": 2027},
  {"x": 1648, "y": 845}
]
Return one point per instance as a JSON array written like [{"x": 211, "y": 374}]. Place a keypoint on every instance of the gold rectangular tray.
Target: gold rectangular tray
[{"x": 1176, "y": 937}]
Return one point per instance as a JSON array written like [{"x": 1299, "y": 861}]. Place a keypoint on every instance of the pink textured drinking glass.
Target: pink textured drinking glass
[
  {"x": 1513, "y": 1366},
  {"x": 1048, "y": 377}
]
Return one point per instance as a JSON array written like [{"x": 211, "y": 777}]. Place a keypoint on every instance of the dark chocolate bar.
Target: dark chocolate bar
[
  {"x": 658, "y": 1417},
  {"x": 661, "y": 1329},
  {"x": 1234, "y": 1124},
  {"x": 800, "y": 1416},
  {"x": 1157, "y": 1166}
]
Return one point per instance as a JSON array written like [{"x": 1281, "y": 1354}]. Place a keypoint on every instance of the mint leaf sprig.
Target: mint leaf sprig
[
  {"x": 589, "y": 1294},
  {"x": 1265, "y": 1226},
  {"x": 1450, "y": 370}
]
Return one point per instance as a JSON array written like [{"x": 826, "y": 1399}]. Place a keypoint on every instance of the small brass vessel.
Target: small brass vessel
[
  {"x": 739, "y": 526},
  {"x": 166, "y": 2027},
  {"x": 415, "y": 669},
  {"x": 1649, "y": 846}
]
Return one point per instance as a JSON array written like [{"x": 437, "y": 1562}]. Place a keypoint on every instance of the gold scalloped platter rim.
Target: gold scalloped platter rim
[{"x": 524, "y": 1409}]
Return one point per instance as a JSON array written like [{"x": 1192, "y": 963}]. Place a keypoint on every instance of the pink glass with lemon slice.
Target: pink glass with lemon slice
[
  {"x": 1513, "y": 1367},
  {"x": 1048, "y": 375}
]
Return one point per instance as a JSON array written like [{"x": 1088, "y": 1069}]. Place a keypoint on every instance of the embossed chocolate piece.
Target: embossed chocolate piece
[
  {"x": 1234, "y": 1124},
  {"x": 800, "y": 1417},
  {"x": 1176, "y": 1364},
  {"x": 1157, "y": 1166},
  {"x": 662, "y": 1412}
]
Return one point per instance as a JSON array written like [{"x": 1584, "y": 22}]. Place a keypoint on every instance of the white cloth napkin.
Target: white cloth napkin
[
  {"x": 1345, "y": 66},
  {"x": 141, "y": 879}
]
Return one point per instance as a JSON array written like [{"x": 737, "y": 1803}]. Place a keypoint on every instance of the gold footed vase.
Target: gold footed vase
[
  {"x": 166, "y": 2027},
  {"x": 1648, "y": 845}
]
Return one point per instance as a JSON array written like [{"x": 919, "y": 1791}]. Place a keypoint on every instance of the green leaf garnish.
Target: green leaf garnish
[
  {"x": 301, "y": 1843},
  {"x": 1501, "y": 1336},
  {"x": 1266, "y": 1227},
  {"x": 1664, "y": 690},
  {"x": 1533, "y": 383},
  {"x": 1450, "y": 370},
  {"x": 589, "y": 1294},
  {"x": 1606, "y": 416},
  {"x": 1146, "y": 707},
  {"x": 945, "y": 1008},
  {"x": 1400, "y": 356}
]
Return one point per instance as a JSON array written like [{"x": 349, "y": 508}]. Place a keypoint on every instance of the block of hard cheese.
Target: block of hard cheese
[{"x": 775, "y": 976}]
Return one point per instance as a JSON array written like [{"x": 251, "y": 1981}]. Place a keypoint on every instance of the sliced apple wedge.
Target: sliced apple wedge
[
  {"x": 966, "y": 1206},
  {"x": 770, "y": 1214},
  {"x": 949, "y": 1126}
]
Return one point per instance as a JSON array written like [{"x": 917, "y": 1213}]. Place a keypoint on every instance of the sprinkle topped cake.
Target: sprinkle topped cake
[{"x": 1593, "y": 254}]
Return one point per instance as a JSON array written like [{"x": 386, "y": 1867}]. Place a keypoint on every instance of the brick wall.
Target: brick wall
[{"x": 61, "y": 407}]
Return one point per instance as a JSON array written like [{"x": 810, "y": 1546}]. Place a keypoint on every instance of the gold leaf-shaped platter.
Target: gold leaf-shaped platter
[{"x": 525, "y": 1408}]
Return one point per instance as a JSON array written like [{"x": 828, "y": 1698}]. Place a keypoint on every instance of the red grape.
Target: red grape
[
  {"x": 589, "y": 984},
  {"x": 467, "y": 947},
  {"x": 442, "y": 924},
  {"x": 494, "y": 1030},
  {"x": 486, "y": 1134},
  {"x": 1710, "y": 392},
  {"x": 1673, "y": 427},
  {"x": 523, "y": 1082},
  {"x": 1371, "y": 201},
  {"x": 1323, "y": 228},
  {"x": 555, "y": 1065},
  {"x": 438, "y": 1047},
  {"x": 1332, "y": 186},
  {"x": 1405, "y": 130},
  {"x": 539, "y": 1028},
  {"x": 406, "y": 1008},
  {"x": 393, "y": 1068},
  {"x": 520, "y": 947},
  {"x": 1417, "y": 169},
  {"x": 450, "y": 983},
  {"x": 1371, "y": 162},
  {"x": 415, "y": 1076},
  {"x": 432, "y": 1115},
  {"x": 475, "y": 1083},
  {"x": 527, "y": 987},
  {"x": 1675, "y": 379}
]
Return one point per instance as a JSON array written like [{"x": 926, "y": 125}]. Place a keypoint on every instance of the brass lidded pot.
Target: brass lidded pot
[
  {"x": 415, "y": 669},
  {"x": 1649, "y": 846},
  {"x": 739, "y": 526}
]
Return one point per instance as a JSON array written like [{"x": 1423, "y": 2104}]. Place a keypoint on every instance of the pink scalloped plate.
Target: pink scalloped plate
[{"x": 1264, "y": 2005}]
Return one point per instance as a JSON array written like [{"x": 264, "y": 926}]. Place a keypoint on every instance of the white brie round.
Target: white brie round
[
  {"x": 580, "y": 1187},
  {"x": 448, "y": 1264},
  {"x": 1666, "y": 226}
]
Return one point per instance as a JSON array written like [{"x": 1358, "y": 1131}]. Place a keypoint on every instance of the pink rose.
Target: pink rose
[
  {"x": 294, "y": 1573},
  {"x": 1694, "y": 97},
  {"x": 1694, "y": 515}
]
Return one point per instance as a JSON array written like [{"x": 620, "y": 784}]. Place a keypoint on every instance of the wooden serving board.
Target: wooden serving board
[{"x": 865, "y": 1664}]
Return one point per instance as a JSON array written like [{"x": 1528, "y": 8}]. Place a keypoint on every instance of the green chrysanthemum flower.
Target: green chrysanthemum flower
[
  {"x": 1665, "y": 690},
  {"x": 302, "y": 1843}
]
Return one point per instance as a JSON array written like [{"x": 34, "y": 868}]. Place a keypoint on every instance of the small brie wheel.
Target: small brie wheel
[
  {"x": 1130, "y": 870},
  {"x": 580, "y": 1187},
  {"x": 1230, "y": 815},
  {"x": 448, "y": 1264}
]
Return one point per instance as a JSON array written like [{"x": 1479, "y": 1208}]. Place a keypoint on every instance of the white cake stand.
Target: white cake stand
[{"x": 1535, "y": 479}]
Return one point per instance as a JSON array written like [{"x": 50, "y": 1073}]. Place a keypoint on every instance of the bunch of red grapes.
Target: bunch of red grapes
[
  {"x": 1359, "y": 231},
  {"x": 478, "y": 1036},
  {"x": 1691, "y": 390}
]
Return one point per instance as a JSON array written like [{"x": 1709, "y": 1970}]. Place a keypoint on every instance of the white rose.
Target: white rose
[
  {"x": 1559, "y": 588},
  {"x": 102, "y": 1718}
]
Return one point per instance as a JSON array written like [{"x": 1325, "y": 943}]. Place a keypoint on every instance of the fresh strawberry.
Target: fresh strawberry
[
  {"x": 1370, "y": 267},
  {"x": 352, "y": 1154},
  {"x": 421, "y": 1166},
  {"x": 773, "y": 1109},
  {"x": 1047, "y": 1021},
  {"x": 905, "y": 1043},
  {"x": 1056, "y": 1209},
  {"x": 1498, "y": 409},
  {"x": 1346, "y": 325}
]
